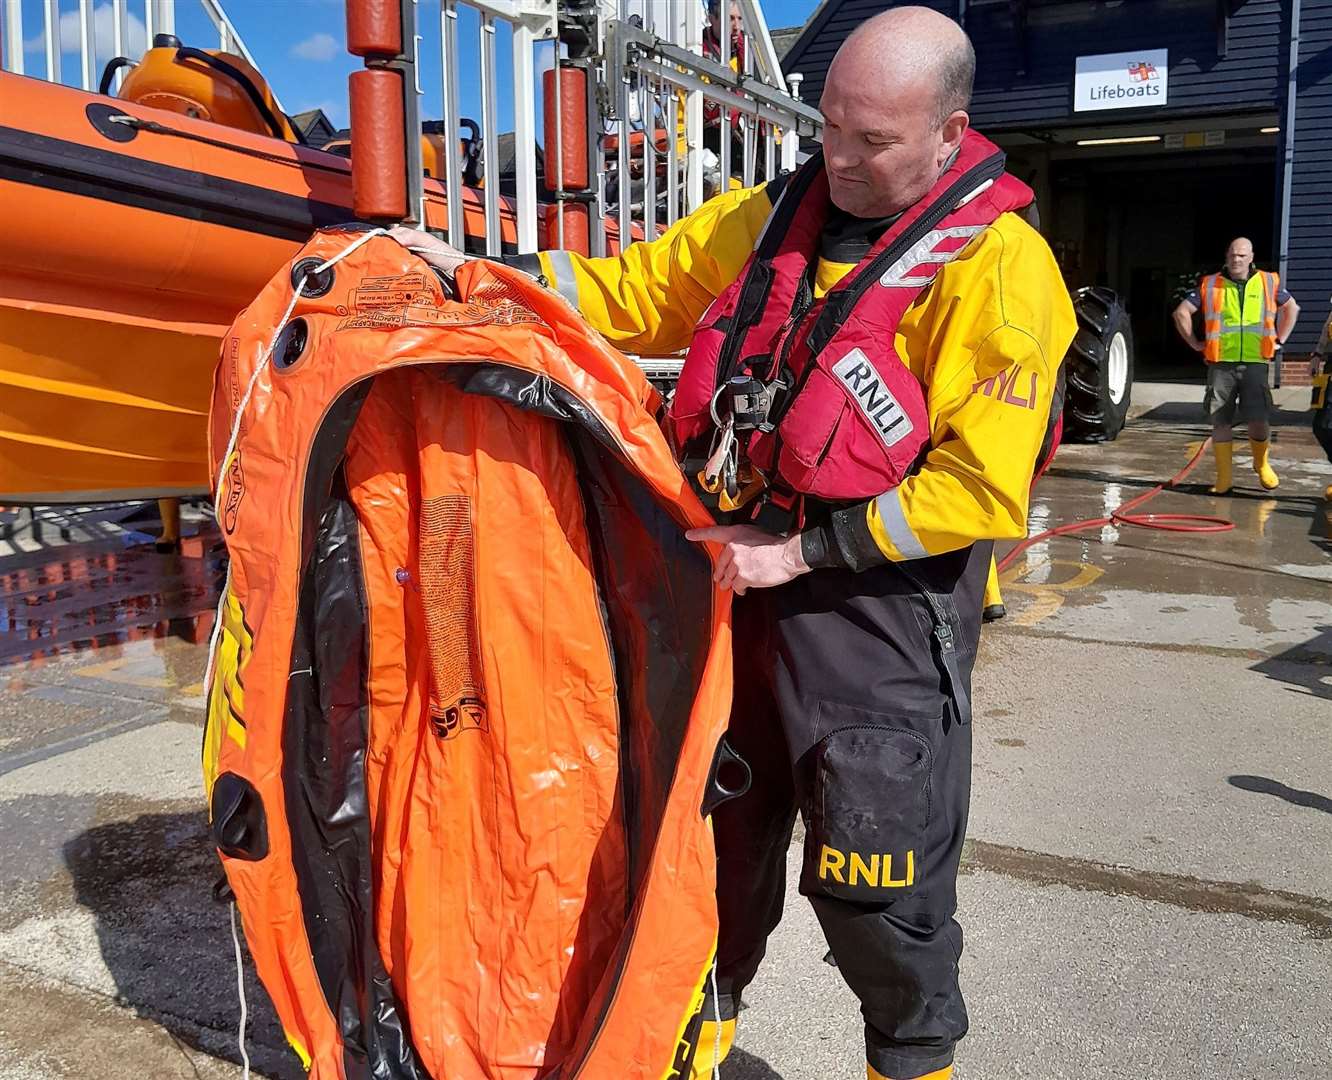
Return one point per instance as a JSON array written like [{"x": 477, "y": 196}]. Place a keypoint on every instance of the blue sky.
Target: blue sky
[{"x": 300, "y": 47}]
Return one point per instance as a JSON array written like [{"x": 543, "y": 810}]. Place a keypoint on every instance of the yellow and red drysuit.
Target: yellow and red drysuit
[
  {"x": 991, "y": 320},
  {"x": 852, "y": 682}
]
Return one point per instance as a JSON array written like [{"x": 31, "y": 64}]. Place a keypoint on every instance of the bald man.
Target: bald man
[
  {"x": 885, "y": 303},
  {"x": 1247, "y": 317}
]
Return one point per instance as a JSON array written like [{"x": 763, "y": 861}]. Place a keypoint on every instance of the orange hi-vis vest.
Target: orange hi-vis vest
[
  {"x": 470, "y": 680},
  {"x": 1239, "y": 318}
]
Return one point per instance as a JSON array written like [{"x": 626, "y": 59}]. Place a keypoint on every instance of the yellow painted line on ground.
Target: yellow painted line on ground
[
  {"x": 110, "y": 671},
  {"x": 1047, "y": 597}
]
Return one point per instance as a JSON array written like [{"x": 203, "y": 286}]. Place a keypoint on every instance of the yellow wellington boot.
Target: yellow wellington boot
[
  {"x": 170, "y": 512},
  {"x": 711, "y": 1050},
  {"x": 1266, "y": 474},
  {"x": 1224, "y": 453},
  {"x": 946, "y": 1073},
  {"x": 993, "y": 608}
]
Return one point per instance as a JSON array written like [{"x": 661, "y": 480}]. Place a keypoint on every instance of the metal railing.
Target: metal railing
[
  {"x": 105, "y": 29},
  {"x": 648, "y": 159},
  {"x": 478, "y": 27},
  {"x": 683, "y": 125}
]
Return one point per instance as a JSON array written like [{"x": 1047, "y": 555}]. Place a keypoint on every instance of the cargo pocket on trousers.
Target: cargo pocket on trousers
[{"x": 868, "y": 814}]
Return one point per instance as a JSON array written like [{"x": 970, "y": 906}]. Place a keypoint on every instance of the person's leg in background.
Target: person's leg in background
[
  {"x": 1219, "y": 403},
  {"x": 169, "y": 540},
  {"x": 1256, "y": 409},
  {"x": 993, "y": 609},
  {"x": 1322, "y": 408}
]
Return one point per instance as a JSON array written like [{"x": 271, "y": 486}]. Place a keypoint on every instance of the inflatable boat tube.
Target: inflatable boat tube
[{"x": 470, "y": 680}]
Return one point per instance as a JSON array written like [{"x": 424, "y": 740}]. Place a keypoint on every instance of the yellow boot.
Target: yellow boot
[
  {"x": 946, "y": 1073},
  {"x": 993, "y": 609},
  {"x": 170, "y": 512},
  {"x": 1224, "y": 453},
  {"x": 710, "y": 1050},
  {"x": 1266, "y": 474}
]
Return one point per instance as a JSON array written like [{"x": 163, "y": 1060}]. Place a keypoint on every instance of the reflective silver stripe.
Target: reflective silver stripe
[
  {"x": 906, "y": 272},
  {"x": 565, "y": 283},
  {"x": 1212, "y": 335},
  {"x": 895, "y": 522}
]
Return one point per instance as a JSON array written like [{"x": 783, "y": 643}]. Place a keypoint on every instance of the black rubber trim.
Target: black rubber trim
[
  {"x": 243, "y": 81},
  {"x": 109, "y": 72},
  {"x": 853, "y": 539},
  {"x": 729, "y": 778},
  {"x": 316, "y": 284},
  {"x": 530, "y": 391},
  {"x": 290, "y": 346},
  {"x": 528, "y": 264},
  {"x": 239, "y": 824},
  {"x": 100, "y": 116},
  {"x": 324, "y": 743},
  {"x": 61, "y": 165}
]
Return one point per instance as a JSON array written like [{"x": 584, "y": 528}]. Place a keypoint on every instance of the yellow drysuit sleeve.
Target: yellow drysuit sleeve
[
  {"x": 649, "y": 299},
  {"x": 975, "y": 481}
]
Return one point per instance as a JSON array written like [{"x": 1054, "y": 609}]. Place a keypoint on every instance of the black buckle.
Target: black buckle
[{"x": 751, "y": 401}]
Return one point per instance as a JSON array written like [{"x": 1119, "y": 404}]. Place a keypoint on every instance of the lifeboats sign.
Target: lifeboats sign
[{"x": 1127, "y": 80}]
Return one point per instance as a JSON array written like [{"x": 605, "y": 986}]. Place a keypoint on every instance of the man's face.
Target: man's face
[
  {"x": 1239, "y": 258},
  {"x": 881, "y": 143},
  {"x": 714, "y": 18}
]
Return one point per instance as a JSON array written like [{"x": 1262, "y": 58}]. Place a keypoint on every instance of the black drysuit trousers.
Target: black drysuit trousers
[{"x": 852, "y": 706}]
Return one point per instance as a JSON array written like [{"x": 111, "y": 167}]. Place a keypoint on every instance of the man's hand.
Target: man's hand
[
  {"x": 442, "y": 256},
  {"x": 752, "y": 558}
]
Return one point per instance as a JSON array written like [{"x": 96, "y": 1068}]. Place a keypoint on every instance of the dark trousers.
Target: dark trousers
[{"x": 846, "y": 711}]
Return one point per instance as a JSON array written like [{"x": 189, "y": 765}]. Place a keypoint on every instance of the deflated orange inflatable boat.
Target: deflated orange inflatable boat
[{"x": 469, "y": 680}]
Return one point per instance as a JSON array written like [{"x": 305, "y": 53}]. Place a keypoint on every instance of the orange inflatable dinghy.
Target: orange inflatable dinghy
[{"x": 469, "y": 680}]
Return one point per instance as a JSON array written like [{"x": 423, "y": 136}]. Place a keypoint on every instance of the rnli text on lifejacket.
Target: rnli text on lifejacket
[{"x": 875, "y": 400}]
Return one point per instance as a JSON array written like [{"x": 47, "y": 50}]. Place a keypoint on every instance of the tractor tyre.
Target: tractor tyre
[{"x": 1099, "y": 368}]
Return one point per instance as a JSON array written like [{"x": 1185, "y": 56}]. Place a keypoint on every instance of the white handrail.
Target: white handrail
[
  {"x": 648, "y": 76},
  {"x": 158, "y": 17}
]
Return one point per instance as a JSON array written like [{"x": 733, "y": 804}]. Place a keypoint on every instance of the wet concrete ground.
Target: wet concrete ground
[{"x": 1146, "y": 893}]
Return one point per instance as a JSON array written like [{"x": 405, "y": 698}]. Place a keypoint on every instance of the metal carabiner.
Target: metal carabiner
[{"x": 722, "y": 458}]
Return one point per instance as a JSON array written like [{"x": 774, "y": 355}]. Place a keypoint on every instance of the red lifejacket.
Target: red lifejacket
[{"x": 847, "y": 418}]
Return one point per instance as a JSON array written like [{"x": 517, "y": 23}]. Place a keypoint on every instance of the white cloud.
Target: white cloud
[
  {"x": 320, "y": 46},
  {"x": 135, "y": 35}
]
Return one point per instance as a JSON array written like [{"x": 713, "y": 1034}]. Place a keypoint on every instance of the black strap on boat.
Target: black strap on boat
[{"x": 245, "y": 83}]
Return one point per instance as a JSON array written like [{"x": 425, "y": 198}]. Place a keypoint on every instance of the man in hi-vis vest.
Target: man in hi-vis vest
[{"x": 1247, "y": 317}]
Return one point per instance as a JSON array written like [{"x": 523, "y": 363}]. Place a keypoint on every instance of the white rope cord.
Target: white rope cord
[
  {"x": 235, "y": 434},
  {"x": 717, "y": 1023},
  {"x": 216, "y": 635},
  {"x": 240, "y": 992}
]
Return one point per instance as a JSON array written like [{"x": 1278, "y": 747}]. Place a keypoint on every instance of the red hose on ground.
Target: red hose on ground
[{"x": 1122, "y": 515}]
